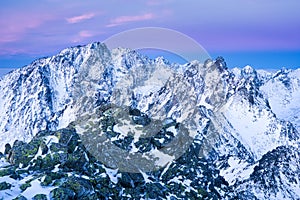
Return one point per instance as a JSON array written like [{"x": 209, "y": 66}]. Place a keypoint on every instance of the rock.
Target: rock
[
  {"x": 5, "y": 186},
  {"x": 154, "y": 190},
  {"x": 71, "y": 160},
  {"x": 40, "y": 197},
  {"x": 20, "y": 197},
  {"x": 7, "y": 149},
  {"x": 81, "y": 187},
  {"x": 61, "y": 193},
  {"x": 6, "y": 171},
  {"x": 90, "y": 197},
  {"x": 24, "y": 186},
  {"x": 47, "y": 181},
  {"x": 44, "y": 148},
  {"x": 22, "y": 153}
]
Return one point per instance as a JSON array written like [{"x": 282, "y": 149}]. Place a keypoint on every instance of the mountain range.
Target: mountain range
[{"x": 94, "y": 123}]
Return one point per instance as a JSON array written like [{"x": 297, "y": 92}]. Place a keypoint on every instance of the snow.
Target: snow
[
  {"x": 237, "y": 171},
  {"x": 284, "y": 101},
  {"x": 256, "y": 128},
  {"x": 3, "y": 163},
  {"x": 67, "y": 117},
  {"x": 181, "y": 180},
  {"x": 172, "y": 129},
  {"x": 51, "y": 139},
  {"x": 157, "y": 80},
  {"x": 127, "y": 127},
  {"x": 85, "y": 177},
  {"x": 25, "y": 109},
  {"x": 112, "y": 174},
  {"x": 203, "y": 102},
  {"x": 13, "y": 191},
  {"x": 36, "y": 188},
  {"x": 146, "y": 177},
  {"x": 163, "y": 159},
  {"x": 39, "y": 153},
  {"x": 56, "y": 168},
  {"x": 165, "y": 169},
  {"x": 176, "y": 179},
  {"x": 236, "y": 71},
  {"x": 29, "y": 193}
]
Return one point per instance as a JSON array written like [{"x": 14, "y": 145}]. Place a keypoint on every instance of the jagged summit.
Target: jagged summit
[
  {"x": 232, "y": 121},
  {"x": 42, "y": 92}
]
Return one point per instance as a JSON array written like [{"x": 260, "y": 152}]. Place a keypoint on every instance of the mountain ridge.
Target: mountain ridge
[{"x": 235, "y": 121}]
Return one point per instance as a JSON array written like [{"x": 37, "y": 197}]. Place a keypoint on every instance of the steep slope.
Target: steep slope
[
  {"x": 39, "y": 96},
  {"x": 33, "y": 98},
  {"x": 244, "y": 128},
  {"x": 283, "y": 92},
  {"x": 276, "y": 176}
]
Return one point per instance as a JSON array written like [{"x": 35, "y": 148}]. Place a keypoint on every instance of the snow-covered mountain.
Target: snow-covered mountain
[
  {"x": 283, "y": 92},
  {"x": 238, "y": 126}
]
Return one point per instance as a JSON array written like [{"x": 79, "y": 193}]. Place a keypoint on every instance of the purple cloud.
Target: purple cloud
[
  {"x": 85, "y": 34},
  {"x": 133, "y": 18},
  {"x": 16, "y": 26},
  {"x": 80, "y": 18}
]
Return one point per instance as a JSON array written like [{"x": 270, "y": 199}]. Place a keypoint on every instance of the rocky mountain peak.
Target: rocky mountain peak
[{"x": 219, "y": 131}]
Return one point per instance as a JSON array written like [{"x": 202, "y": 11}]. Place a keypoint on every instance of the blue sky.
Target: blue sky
[{"x": 264, "y": 34}]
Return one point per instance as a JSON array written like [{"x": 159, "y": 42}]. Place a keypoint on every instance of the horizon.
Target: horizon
[{"x": 256, "y": 60}]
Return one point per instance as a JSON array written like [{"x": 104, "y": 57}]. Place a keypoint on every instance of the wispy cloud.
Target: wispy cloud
[
  {"x": 80, "y": 18},
  {"x": 16, "y": 26},
  {"x": 84, "y": 34},
  {"x": 133, "y": 18}
]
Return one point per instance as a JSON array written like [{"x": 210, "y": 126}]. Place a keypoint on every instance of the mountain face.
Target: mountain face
[
  {"x": 100, "y": 124},
  {"x": 282, "y": 90}
]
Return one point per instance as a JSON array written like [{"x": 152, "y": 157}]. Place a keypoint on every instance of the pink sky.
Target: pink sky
[{"x": 39, "y": 28}]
